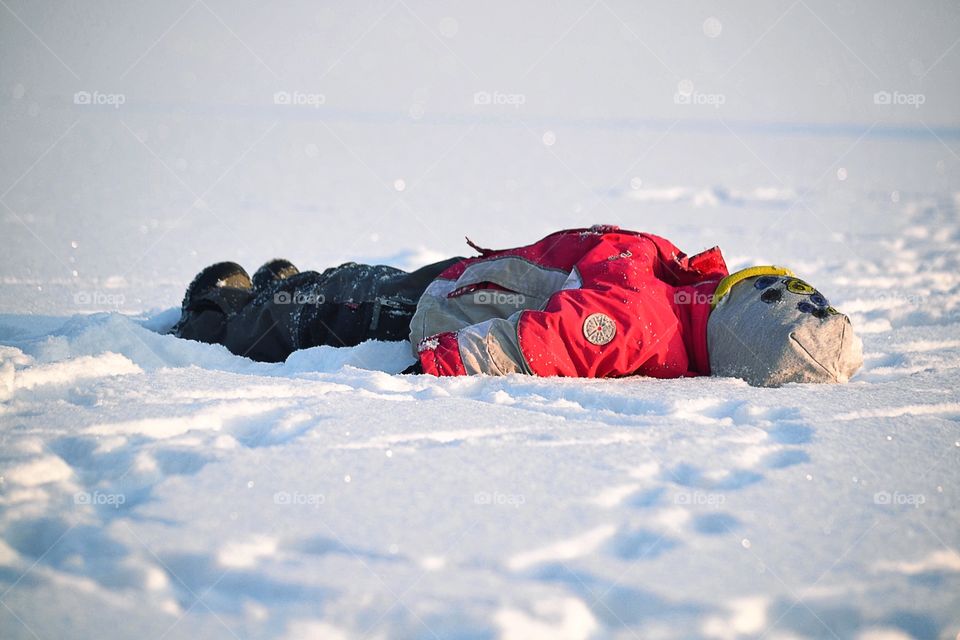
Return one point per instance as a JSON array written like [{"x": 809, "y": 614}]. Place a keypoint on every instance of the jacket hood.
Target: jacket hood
[{"x": 774, "y": 329}]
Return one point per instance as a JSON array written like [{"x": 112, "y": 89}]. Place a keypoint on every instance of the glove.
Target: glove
[{"x": 415, "y": 369}]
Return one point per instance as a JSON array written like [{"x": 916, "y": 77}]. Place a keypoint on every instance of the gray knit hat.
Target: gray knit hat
[{"x": 774, "y": 329}]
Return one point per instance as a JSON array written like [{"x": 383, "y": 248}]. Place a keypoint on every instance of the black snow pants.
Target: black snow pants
[{"x": 342, "y": 306}]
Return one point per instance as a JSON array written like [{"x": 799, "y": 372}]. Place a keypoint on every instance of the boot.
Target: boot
[
  {"x": 276, "y": 269},
  {"x": 216, "y": 293}
]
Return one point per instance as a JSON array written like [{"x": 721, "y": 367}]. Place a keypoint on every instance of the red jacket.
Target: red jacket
[{"x": 591, "y": 303}]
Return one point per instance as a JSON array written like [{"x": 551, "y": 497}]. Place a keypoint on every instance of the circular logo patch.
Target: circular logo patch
[{"x": 599, "y": 328}]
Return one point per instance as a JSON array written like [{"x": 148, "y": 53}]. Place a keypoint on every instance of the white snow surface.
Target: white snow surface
[{"x": 158, "y": 488}]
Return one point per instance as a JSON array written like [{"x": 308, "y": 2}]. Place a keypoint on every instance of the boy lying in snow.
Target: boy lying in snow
[{"x": 591, "y": 303}]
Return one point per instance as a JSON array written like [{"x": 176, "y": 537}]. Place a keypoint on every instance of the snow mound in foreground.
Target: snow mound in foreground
[{"x": 190, "y": 492}]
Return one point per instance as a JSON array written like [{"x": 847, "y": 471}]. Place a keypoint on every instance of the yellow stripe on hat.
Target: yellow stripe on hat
[{"x": 750, "y": 272}]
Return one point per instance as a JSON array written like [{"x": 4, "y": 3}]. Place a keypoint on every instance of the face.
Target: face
[{"x": 770, "y": 330}]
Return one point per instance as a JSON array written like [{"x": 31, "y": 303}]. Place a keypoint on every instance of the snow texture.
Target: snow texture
[{"x": 158, "y": 488}]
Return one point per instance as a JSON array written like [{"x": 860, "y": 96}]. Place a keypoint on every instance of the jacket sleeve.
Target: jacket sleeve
[
  {"x": 563, "y": 340},
  {"x": 489, "y": 347}
]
